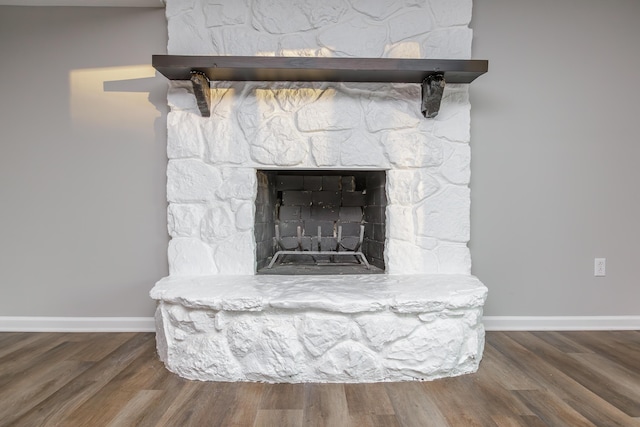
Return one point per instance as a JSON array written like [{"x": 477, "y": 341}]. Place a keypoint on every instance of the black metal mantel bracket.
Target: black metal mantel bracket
[
  {"x": 202, "y": 92},
  {"x": 432, "y": 89}
]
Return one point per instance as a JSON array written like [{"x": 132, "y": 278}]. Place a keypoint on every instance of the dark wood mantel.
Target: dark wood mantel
[{"x": 431, "y": 73}]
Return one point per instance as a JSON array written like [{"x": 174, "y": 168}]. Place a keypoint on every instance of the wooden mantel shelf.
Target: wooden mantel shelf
[{"x": 431, "y": 73}]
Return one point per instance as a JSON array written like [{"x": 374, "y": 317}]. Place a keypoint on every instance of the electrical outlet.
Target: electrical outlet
[{"x": 600, "y": 267}]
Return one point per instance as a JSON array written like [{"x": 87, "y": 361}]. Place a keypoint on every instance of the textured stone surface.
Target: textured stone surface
[
  {"x": 453, "y": 121},
  {"x": 226, "y": 13},
  {"x": 409, "y": 258},
  {"x": 325, "y": 148},
  {"x": 183, "y": 139},
  {"x": 409, "y": 24},
  {"x": 218, "y": 223},
  {"x": 247, "y": 41},
  {"x": 281, "y": 16},
  {"x": 454, "y": 258},
  {"x": 451, "y": 12},
  {"x": 279, "y": 143},
  {"x": 332, "y": 111},
  {"x": 362, "y": 150},
  {"x": 410, "y": 149},
  {"x": 446, "y": 215},
  {"x": 191, "y": 181},
  {"x": 229, "y": 253},
  {"x": 184, "y": 220},
  {"x": 355, "y": 37},
  {"x": 188, "y": 256},
  {"x": 224, "y": 142},
  {"x": 457, "y": 168},
  {"x": 384, "y": 113},
  {"x": 356, "y": 329},
  {"x": 377, "y": 9},
  {"x": 450, "y": 43},
  {"x": 408, "y": 187}
]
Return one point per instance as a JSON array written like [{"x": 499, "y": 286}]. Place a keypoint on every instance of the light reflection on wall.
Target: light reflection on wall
[
  {"x": 406, "y": 49},
  {"x": 114, "y": 98}
]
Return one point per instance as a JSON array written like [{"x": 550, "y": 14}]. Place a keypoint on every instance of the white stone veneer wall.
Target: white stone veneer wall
[{"x": 211, "y": 171}]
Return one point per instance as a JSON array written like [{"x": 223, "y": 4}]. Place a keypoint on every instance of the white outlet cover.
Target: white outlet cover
[{"x": 599, "y": 267}]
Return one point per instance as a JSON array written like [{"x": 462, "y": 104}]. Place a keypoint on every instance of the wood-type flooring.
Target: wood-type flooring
[{"x": 525, "y": 379}]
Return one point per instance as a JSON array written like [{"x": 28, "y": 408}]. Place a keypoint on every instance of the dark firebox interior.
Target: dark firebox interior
[{"x": 320, "y": 210}]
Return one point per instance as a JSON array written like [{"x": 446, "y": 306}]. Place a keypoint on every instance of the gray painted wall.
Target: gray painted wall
[
  {"x": 82, "y": 186},
  {"x": 554, "y": 139},
  {"x": 555, "y": 150}
]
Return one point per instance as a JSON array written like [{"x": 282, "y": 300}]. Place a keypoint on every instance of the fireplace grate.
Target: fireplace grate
[{"x": 343, "y": 246}]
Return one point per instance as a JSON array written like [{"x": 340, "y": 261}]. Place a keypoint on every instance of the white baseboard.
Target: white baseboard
[
  {"x": 561, "y": 323},
  {"x": 76, "y": 324},
  {"x": 147, "y": 324}
]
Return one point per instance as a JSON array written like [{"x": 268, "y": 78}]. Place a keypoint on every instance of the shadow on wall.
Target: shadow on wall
[{"x": 117, "y": 98}]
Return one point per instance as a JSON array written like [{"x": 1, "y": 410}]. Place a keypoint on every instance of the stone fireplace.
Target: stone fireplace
[{"x": 421, "y": 318}]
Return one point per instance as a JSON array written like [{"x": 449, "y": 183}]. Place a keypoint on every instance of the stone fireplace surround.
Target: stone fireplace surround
[{"x": 217, "y": 320}]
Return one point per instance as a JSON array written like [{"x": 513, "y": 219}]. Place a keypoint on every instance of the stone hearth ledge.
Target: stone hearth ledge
[{"x": 352, "y": 328}]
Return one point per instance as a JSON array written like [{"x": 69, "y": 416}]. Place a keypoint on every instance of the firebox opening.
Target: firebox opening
[{"x": 320, "y": 221}]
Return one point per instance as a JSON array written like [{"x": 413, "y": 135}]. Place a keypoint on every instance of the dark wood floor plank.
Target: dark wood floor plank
[
  {"x": 461, "y": 401},
  {"x": 283, "y": 396},
  {"x": 96, "y": 346},
  {"x": 627, "y": 336},
  {"x": 182, "y": 399},
  {"x": 54, "y": 410},
  {"x": 594, "y": 380},
  {"x": 412, "y": 406},
  {"x": 37, "y": 352},
  {"x": 35, "y": 379},
  {"x": 208, "y": 405},
  {"x": 373, "y": 420},
  {"x": 170, "y": 388},
  {"x": 13, "y": 341},
  {"x": 561, "y": 342},
  {"x": 477, "y": 399},
  {"x": 325, "y": 405},
  {"x": 193, "y": 412},
  {"x": 508, "y": 421},
  {"x": 217, "y": 412},
  {"x": 497, "y": 378},
  {"x": 553, "y": 379},
  {"x": 279, "y": 418},
  {"x": 625, "y": 381},
  {"x": 552, "y": 411},
  {"x": 107, "y": 402},
  {"x": 502, "y": 371},
  {"x": 131, "y": 412},
  {"x": 533, "y": 421},
  {"x": 242, "y": 410},
  {"x": 611, "y": 345},
  {"x": 36, "y": 386},
  {"x": 368, "y": 399}
]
